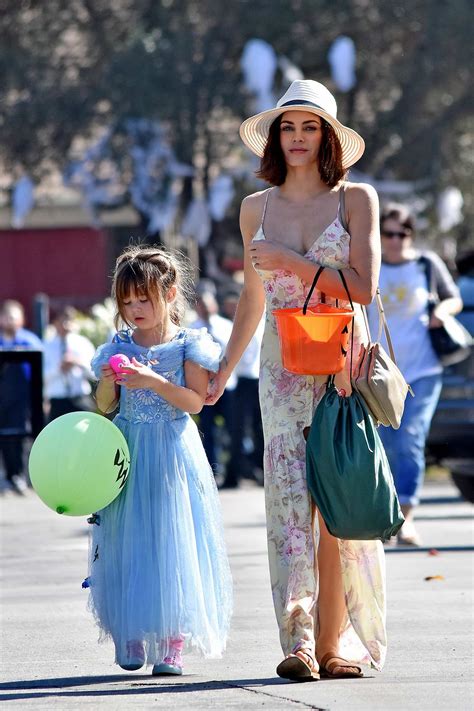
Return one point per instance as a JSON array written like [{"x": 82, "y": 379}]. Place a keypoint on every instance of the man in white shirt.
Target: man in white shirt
[
  {"x": 220, "y": 329},
  {"x": 249, "y": 416},
  {"x": 247, "y": 447},
  {"x": 67, "y": 373}
]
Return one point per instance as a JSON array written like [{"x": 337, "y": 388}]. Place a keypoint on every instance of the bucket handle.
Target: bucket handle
[{"x": 313, "y": 286}]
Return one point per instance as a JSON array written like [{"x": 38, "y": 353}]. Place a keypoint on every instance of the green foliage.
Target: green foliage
[{"x": 98, "y": 324}]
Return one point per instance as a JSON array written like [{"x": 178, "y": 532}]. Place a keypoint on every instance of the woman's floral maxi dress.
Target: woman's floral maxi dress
[{"x": 288, "y": 402}]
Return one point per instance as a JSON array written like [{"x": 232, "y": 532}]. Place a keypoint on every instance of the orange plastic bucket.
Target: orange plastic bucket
[{"x": 315, "y": 342}]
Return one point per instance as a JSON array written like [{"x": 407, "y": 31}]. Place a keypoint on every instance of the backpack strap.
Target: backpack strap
[{"x": 427, "y": 266}]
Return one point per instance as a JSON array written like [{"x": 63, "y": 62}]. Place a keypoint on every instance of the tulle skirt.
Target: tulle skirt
[{"x": 158, "y": 564}]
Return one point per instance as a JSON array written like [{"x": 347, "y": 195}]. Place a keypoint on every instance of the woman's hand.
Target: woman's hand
[
  {"x": 68, "y": 362},
  {"x": 137, "y": 375},
  {"x": 216, "y": 387},
  {"x": 268, "y": 255},
  {"x": 445, "y": 308},
  {"x": 435, "y": 321}
]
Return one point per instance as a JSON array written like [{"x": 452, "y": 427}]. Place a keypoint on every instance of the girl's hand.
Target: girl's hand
[
  {"x": 268, "y": 255},
  {"x": 107, "y": 374},
  {"x": 137, "y": 375}
]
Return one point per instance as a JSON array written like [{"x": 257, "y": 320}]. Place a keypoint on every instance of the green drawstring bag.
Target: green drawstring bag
[{"x": 347, "y": 470}]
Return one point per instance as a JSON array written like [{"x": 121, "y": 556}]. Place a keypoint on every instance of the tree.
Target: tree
[{"x": 72, "y": 69}]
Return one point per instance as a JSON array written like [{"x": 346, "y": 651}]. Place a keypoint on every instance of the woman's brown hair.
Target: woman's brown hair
[
  {"x": 401, "y": 213},
  {"x": 151, "y": 271},
  {"x": 273, "y": 165}
]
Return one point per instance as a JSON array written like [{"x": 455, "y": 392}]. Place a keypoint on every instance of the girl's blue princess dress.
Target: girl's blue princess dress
[{"x": 158, "y": 564}]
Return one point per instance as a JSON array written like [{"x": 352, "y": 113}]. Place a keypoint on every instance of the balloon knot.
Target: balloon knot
[
  {"x": 86, "y": 583},
  {"x": 60, "y": 509}
]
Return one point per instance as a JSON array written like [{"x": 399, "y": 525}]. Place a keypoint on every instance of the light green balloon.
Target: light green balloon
[{"x": 79, "y": 463}]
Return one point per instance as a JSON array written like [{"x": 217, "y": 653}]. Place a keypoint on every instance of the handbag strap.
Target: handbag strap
[
  {"x": 383, "y": 325},
  {"x": 315, "y": 281},
  {"x": 305, "y": 307},
  {"x": 433, "y": 295},
  {"x": 341, "y": 213}
]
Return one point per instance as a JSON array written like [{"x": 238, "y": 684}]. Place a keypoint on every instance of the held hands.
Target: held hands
[
  {"x": 267, "y": 255},
  {"x": 216, "y": 387}
]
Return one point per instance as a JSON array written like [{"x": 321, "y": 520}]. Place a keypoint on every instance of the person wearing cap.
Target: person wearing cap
[{"x": 329, "y": 594}]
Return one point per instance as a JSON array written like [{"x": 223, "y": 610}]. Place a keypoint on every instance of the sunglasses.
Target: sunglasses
[{"x": 389, "y": 234}]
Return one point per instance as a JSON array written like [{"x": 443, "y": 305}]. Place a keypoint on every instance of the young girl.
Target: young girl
[{"x": 159, "y": 575}]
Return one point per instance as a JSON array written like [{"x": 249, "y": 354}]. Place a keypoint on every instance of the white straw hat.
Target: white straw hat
[{"x": 303, "y": 95}]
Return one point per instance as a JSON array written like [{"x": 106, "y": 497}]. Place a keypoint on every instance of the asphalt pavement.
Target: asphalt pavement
[{"x": 50, "y": 657}]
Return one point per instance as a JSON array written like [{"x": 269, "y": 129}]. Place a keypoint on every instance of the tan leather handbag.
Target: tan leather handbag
[{"x": 377, "y": 377}]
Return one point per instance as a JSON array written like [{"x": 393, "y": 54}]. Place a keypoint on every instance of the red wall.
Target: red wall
[{"x": 67, "y": 264}]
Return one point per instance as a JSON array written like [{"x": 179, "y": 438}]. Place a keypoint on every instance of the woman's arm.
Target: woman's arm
[
  {"x": 189, "y": 398},
  {"x": 251, "y": 303},
  {"x": 365, "y": 252},
  {"x": 450, "y": 302},
  {"x": 447, "y": 307}
]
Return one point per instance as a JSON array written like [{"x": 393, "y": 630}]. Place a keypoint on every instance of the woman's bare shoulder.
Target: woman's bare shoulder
[
  {"x": 251, "y": 211},
  {"x": 254, "y": 203},
  {"x": 358, "y": 194}
]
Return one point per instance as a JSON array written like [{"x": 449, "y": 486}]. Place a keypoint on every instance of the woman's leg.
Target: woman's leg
[
  {"x": 405, "y": 448},
  {"x": 332, "y": 612},
  {"x": 291, "y": 551}
]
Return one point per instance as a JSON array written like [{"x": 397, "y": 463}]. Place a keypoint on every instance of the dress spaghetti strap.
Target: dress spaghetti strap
[
  {"x": 265, "y": 208},
  {"x": 341, "y": 209}
]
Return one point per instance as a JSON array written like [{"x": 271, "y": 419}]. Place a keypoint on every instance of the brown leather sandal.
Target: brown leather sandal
[
  {"x": 299, "y": 666},
  {"x": 330, "y": 662}
]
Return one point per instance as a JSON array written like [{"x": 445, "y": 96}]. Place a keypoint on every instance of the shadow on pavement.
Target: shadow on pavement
[
  {"x": 140, "y": 684},
  {"x": 449, "y": 517},
  {"x": 427, "y": 549},
  {"x": 442, "y": 500}
]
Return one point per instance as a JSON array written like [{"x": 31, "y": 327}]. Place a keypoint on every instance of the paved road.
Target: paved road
[{"x": 51, "y": 659}]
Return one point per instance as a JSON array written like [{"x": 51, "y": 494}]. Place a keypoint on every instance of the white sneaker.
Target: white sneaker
[{"x": 18, "y": 484}]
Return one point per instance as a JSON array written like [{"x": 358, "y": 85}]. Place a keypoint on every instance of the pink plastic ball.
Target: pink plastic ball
[{"x": 118, "y": 361}]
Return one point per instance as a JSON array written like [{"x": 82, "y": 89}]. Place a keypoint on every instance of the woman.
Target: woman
[
  {"x": 404, "y": 284},
  {"x": 328, "y": 594}
]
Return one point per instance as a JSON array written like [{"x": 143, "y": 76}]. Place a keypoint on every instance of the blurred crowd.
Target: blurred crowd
[{"x": 231, "y": 430}]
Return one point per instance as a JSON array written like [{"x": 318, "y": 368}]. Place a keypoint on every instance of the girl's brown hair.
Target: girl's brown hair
[
  {"x": 273, "y": 165},
  {"x": 151, "y": 271}
]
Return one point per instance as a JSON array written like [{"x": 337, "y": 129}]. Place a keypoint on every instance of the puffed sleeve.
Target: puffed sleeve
[
  {"x": 202, "y": 349},
  {"x": 121, "y": 343}
]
